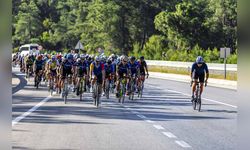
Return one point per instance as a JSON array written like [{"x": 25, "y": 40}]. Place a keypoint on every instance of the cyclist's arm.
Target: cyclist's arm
[
  {"x": 207, "y": 72},
  {"x": 91, "y": 70},
  {"x": 192, "y": 71},
  {"x": 103, "y": 72},
  {"x": 146, "y": 67}
]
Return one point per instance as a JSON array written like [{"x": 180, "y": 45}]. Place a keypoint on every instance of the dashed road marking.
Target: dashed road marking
[
  {"x": 149, "y": 121},
  {"x": 183, "y": 144},
  {"x": 159, "y": 127},
  {"x": 169, "y": 134}
]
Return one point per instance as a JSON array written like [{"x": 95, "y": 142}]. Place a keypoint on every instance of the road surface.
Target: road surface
[{"x": 162, "y": 119}]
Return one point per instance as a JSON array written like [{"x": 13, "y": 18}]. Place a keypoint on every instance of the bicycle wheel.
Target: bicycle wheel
[
  {"x": 194, "y": 103},
  {"x": 142, "y": 87},
  {"x": 81, "y": 89},
  {"x": 107, "y": 89},
  {"x": 36, "y": 82},
  {"x": 199, "y": 104},
  {"x": 65, "y": 91},
  {"x": 97, "y": 95},
  {"x": 123, "y": 93},
  {"x": 51, "y": 87}
]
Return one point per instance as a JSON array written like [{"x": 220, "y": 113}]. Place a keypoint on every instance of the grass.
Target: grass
[{"x": 230, "y": 75}]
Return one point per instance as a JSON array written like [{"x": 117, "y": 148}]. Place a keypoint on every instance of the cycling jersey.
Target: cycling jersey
[
  {"x": 81, "y": 68},
  {"x": 53, "y": 65},
  {"x": 97, "y": 70},
  {"x": 199, "y": 70},
  {"x": 38, "y": 64},
  {"x": 66, "y": 68},
  {"x": 109, "y": 69},
  {"x": 142, "y": 64},
  {"x": 134, "y": 67},
  {"x": 122, "y": 69}
]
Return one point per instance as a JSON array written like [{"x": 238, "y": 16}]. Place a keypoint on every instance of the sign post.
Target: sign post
[
  {"x": 79, "y": 46},
  {"x": 224, "y": 53}
]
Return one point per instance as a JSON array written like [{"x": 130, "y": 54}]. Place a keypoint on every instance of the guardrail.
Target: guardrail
[{"x": 177, "y": 64}]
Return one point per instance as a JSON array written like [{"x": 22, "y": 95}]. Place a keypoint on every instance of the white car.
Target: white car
[{"x": 29, "y": 49}]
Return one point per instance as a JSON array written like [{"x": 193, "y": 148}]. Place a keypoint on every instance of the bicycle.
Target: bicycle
[
  {"x": 122, "y": 90},
  {"x": 65, "y": 91},
  {"x": 38, "y": 79},
  {"x": 196, "y": 101},
  {"x": 107, "y": 86},
  {"x": 79, "y": 91},
  {"x": 97, "y": 92},
  {"x": 132, "y": 87}
]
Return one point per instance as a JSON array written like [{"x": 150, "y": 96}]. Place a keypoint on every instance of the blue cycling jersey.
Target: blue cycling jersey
[
  {"x": 109, "y": 68},
  {"x": 199, "y": 70},
  {"x": 133, "y": 67}
]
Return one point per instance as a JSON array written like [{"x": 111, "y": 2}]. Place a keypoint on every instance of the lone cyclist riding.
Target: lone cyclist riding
[{"x": 198, "y": 71}]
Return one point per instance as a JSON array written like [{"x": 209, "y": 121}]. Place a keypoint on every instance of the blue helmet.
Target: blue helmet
[
  {"x": 65, "y": 56},
  {"x": 70, "y": 56},
  {"x": 199, "y": 60}
]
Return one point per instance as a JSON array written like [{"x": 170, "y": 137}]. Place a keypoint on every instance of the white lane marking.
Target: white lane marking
[
  {"x": 218, "y": 102},
  {"x": 20, "y": 74},
  {"x": 169, "y": 134},
  {"x": 19, "y": 118},
  {"x": 183, "y": 144},
  {"x": 159, "y": 127},
  {"x": 149, "y": 121},
  {"x": 141, "y": 116}
]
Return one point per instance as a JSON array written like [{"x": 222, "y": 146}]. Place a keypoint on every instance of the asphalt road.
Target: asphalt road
[{"x": 162, "y": 119}]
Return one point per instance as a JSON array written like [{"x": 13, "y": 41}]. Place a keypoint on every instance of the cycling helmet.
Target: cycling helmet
[
  {"x": 53, "y": 58},
  {"x": 132, "y": 58},
  {"x": 104, "y": 58},
  {"x": 59, "y": 56},
  {"x": 76, "y": 56},
  {"x": 82, "y": 56},
  {"x": 199, "y": 60},
  {"x": 39, "y": 57},
  {"x": 142, "y": 57},
  {"x": 124, "y": 58},
  {"x": 78, "y": 60},
  {"x": 70, "y": 56},
  {"x": 97, "y": 58},
  {"x": 109, "y": 61}
]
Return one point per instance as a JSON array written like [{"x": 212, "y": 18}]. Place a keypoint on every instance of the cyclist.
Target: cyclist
[
  {"x": 97, "y": 73},
  {"x": 81, "y": 71},
  {"x": 38, "y": 67},
  {"x": 52, "y": 66},
  {"x": 66, "y": 69},
  {"x": 28, "y": 64},
  {"x": 199, "y": 68},
  {"x": 134, "y": 67},
  {"x": 109, "y": 73},
  {"x": 143, "y": 67},
  {"x": 122, "y": 69}
]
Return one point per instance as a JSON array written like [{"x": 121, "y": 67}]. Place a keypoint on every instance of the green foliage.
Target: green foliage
[
  {"x": 154, "y": 48},
  {"x": 164, "y": 30}
]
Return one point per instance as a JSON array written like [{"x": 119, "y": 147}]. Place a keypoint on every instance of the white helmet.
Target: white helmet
[
  {"x": 124, "y": 58},
  {"x": 97, "y": 58}
]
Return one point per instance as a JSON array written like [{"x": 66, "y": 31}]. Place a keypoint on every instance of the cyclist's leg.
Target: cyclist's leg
[
  {"x": 201, "y": 79},
  {"x": 195, "y": 78}
]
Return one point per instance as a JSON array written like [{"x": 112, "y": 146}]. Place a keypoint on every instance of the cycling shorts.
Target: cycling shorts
[{"x": 201, "y": 77}]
